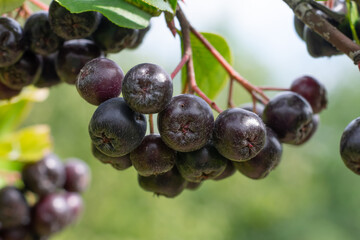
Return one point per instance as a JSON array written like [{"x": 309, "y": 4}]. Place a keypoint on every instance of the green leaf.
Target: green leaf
[
  {"x": 9, "y": 5},
  {"x": 27, "y": 145},
  {"x": 163, "y": 5},
  {"x": 210, "y": 75},
  {"x": 13, "y": 112},
  {"x": 120, "y": 12}
]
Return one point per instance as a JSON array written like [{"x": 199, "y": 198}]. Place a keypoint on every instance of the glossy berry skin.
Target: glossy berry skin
[
  {"x": 186, "y": 124},
  {"x": 12, "y": 43},
  {"x": 239, "y": 134},
  {"x": 23, "y": 73},
  {"x": 315, "y": 123},
  {"x": 75, "y": 204},
  {"x": 48, "y": 77},
  {"x": 119, "y": 163},
  {"x": 153, "y": 156},
  {"x": 72, "y": 25},
  {"x": 72, "y": 56},
  {"x": 40, "y": 37},
  {"x": 228, "y": 172},
  {"x": 169, "y": 184},
  {"x": 268, "y": 158},
  {"x": 77, "y": 175},
  {"x": 99, "y": 80},
  {"x": 7, "y": 93},
  {"x": 51, "y": 214},
  {"x": 290, "y": 116},
  {"x": 350, "y": 146},
  {"x": 205, "y": 163},
  {"x": 14, "y": 209},
  {"x": 147, "y": 88},
  {"x": 115, "y": 129},
  {"x": 312, "y": 90},
  {"x": 112, "y": 38},
  {"x": 44, "y": 176}
]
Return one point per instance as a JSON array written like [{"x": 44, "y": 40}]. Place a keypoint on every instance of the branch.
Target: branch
[{"x": 306, "y": 13}]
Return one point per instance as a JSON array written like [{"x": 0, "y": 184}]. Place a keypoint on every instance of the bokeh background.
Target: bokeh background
[{"x": 311, "y": 195}]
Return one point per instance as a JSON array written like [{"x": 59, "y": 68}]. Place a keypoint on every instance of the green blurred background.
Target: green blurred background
[{"x": 311, "y": 195}]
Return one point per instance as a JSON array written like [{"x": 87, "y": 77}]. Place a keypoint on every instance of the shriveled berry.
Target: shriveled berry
[
  {"x": 350, "y": 146},
  {"x": 147, "y": 88},
  {"x": 186, "y": 124},
  {"x": 12, "y": 42},
  {"x": 153, "y": 156},
  {"x": 99, "y": 80},
  {"x": 115, "y": 129},
  {"x": 290, "y": 116},
  {"x": 239, "y": 134}
]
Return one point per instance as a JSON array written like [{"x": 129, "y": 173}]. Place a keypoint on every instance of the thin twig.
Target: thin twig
[
  {"x": 151, "y": 123},
  {"x": 274, "y": 89},
  {"x": 230, "y": 101},
  {"x": 184, "y": 60}
]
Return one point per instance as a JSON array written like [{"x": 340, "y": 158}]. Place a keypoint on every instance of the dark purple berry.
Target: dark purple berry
[
  {"x": 186, "y": 124},
  {"x": 23, "y": 73},
  {"x": 99, "y": 80},
  {"x": 269, "y": 157},
  {"x": 350, "y": 146},
  {"x": 115, "y": 129},
  {"x": 17, "y": 233},
  {"x": 315, "y": 123},
  {"x": 202, "y": 164},
  {"x": 44, "y": 176},
  {"x": 41, "y": 39},
  {"x": 239, "y": 134},
  {"x": 153, "y": 156},
  {"x": 312, "y": 90},
  {"x": 112, "y": 38},
  {"x": 48, "y": 76},
  {"x": 169, "y": 184},
  {"x": 119, "y": 163},
  {"x": 72, "y": 25},
  {"x": 7, "y": 93},
  {"x": 12, "y": 43},
  {"x": 147, "y": 88},
  {"x": 77, "y": 175},
  {"x": 14, "y": 209},
  {"x": 72, "y": 56},
  {"x": 51, "y": 214},
  {"x": 193, "y": 185},
  {"x": 290, "y": 116},
  {"x": 229, "y": 171},
  {"x": 75, "y": 204}
]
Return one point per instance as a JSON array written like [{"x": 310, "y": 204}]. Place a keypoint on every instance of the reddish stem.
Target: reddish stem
[
  {"x": 274, "y": 89},
  {"x": 40, "y": 4},
  {"x": 230, "y": 101},
  {"x": 151, "y": 123},
  {"x": 184, "y": 60},
  {"x": 231, "y": 71}
]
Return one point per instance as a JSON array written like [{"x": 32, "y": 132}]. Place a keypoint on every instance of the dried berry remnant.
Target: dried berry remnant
[
  {"x": 147, "y": 88},
  {"x": 115, "y": 129},
  {"x": 72, "y": 56},
  {"x": 99, "y": 80},
  {"x": 290, "y": 116},
  {"x": 23, "y": 73},
  {"x": 72, "y": 25},
  {"x": 186, "y": 124},
  {"x": 312, "y": 90},
  {"x": 12, "y": 41},
  {"x": 350, "y": 146},
  {"x": 169, "y": 184},
  {"x": 239, "y": 134},
  {"x": 14, "y": 209},
  {"x": 39, "y": 36},
  {"x": 205, "y": 163},
  {"x": 153, "y": 156},
  {"x": 267, "y": 159}
]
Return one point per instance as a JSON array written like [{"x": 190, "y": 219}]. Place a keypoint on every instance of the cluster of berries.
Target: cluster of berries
[
  {"x": 48, "y": 203},
  {"x": 54, "y": 45}
]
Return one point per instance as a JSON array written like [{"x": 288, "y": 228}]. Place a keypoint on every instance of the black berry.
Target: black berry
[
  {"x": 119, "y": 163},
  {"x": 77, "y": 175},
  {"x": 350, "y": 146}
]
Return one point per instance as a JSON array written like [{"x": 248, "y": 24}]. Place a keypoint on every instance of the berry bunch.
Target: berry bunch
[
  {"x": 49, "y": 202},
  {"x": 54, "y": 45},
  {"x": 191, "y": 145}
]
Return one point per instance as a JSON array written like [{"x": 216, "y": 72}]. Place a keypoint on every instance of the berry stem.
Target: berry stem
[
  {"x": 151, "y": 123},
  {"x": 274, "y": 89},
  {"x": 230, "y": 101},
  {"x": 40, "y": 4},
  {"x": 9, "y": 177},
  {"x": 185, "y": 30},
  {"x": 252, "y": 89},
  {"x": 306, "y": 13},
  {"x": 183, "y": 61}
]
